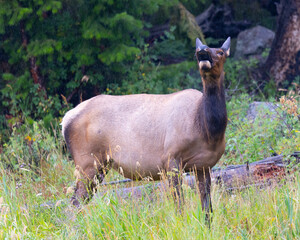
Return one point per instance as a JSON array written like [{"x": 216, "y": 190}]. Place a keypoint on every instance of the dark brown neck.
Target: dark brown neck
[{"x": 211, "y": 118}]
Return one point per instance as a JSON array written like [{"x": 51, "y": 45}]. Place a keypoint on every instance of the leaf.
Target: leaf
[
  {"x": 52, "y": 6},
  {"x": 2, "y": 27},
  {"x": 118, "y": 53},
  {"x": 43, "y": 47},
  {"x": 8, "y": 76},
  {"x": 18, "y": 15},
  {"x": 93, "y": 29},
  {"x": 126, "y": 21}
]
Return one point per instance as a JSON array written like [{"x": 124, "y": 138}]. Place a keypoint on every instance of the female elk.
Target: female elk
[{"x": 145, "y": 134}]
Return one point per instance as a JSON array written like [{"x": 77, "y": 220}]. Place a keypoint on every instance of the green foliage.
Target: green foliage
[
  {"x": 168, "y": 47},
  {"x": 25, "y": 99},
  {"x": 34, "y": 197},
  {"x": 239, "y": 79},
  {"x": 148, "y": 75},
  {"x": 59, "y": 42},
  {"x": 104, "y": 40},
  {"x": 253, "y": 12},
  {"x": 118, "y": 54},
  {"x": 36, "y": 210},
  {"x": 145, "y": 77},
  {"x": 30, "y": 145},
  {"x": 196, "y": 6},
  {"x": 46, "y": 47},
  {"x": 187, "y": 27},
  {"x": 271, "y": 132}
]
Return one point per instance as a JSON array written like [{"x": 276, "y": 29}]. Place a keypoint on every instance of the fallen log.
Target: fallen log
[{"x": 234, "y": 177}]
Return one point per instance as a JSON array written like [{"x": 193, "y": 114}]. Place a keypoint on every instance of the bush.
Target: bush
[
  {"x": 238, "y": 77},
  {"x": 30, "y": 145},
  {"x": 148, "y": 74},
  {"x": 146, "y": 77},
  {"x": 249, "y": 141}
]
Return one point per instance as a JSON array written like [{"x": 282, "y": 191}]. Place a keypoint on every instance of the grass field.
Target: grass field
[
  {"x": 40, "y": 172},
  {"x": 270, "y": 213}
]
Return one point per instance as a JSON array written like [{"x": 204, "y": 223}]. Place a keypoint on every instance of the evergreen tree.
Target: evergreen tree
[{"x": 48, "y": 47}]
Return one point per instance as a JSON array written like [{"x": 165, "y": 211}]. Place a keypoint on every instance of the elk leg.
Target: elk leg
[
  {"x": 86, "y": 182},
  {"x": 204, "y": 183},
  {"x": 80, "y": 193},
  {"x": 84, "y": 185},
  {"x": 175, "y": 182}
]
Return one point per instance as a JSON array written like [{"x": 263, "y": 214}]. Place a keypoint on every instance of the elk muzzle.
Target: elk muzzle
[{"x": 204, "y": 59}]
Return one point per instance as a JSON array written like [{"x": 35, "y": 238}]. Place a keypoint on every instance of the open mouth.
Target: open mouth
[
  {"x": 205, "y": 60},
  {"x": 204, "y": 56}
]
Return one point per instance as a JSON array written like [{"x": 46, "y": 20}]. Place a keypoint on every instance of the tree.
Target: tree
[
  {"x": 23, "y": 45},
  {"x": 49, "y": 46},
  {"x": 283, "y": 62}
]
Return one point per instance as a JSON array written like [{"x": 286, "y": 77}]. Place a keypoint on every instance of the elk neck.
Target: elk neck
[{"x": 211, "y": 117}]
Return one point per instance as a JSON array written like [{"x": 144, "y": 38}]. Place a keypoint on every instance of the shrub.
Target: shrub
[
  {"x": 30, "y": 145},
  {"x": 249, "y": 141}
]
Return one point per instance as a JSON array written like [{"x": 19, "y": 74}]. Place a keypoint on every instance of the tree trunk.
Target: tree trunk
[
  {"x": 283, "y": 62},
  {"x": 34, "y": 68}
]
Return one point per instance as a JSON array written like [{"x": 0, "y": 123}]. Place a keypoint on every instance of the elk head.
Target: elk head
[{"x": 211, "y": 60}]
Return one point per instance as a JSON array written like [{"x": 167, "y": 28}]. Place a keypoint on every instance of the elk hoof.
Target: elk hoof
[{"x": 75, "y": 202}]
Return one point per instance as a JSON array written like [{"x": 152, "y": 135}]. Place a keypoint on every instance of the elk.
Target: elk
[{"x": 142, "y": 135}]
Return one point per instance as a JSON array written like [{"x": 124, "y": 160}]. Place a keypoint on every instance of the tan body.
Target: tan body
[
  {"x": 144, "y": 135},
  {"x": 151, "y": 133}
]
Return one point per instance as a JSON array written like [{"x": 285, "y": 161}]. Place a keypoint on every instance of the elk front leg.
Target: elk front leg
[
  {"x": 84, "y": 185},
  {"x": 86, "y": 181},
  {"x": 176, "y": 184},
  {"x": 175, "y": 181},
  {"x": 204, "y": 184}
]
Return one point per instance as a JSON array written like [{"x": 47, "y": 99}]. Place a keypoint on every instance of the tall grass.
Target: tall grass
[
  {"x": 270, "y": 213},
  {"x": 252, "y": 214},
  {"x": 35, "y": 175}
]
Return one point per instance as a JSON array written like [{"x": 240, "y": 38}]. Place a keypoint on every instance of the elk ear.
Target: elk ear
[
  {"x": 226, "y": 47},
  {"x": 200, "y": 45}
]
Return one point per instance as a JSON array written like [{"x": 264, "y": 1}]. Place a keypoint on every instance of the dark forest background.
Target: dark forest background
[{"x": 56, "y": 53}]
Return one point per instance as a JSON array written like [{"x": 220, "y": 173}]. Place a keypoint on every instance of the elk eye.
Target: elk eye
[{"x": 221, "y": 53}]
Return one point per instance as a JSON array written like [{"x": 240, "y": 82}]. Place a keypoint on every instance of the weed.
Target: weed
[{"x": 271, "y": 213}]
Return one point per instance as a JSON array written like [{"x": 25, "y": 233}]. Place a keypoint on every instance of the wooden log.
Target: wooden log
[
  {"x": 260, "y": 172},
  {"x": 234, "y": 177}
]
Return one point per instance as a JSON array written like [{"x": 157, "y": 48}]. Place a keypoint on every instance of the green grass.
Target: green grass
[
  {"x": 35, "y": 169},
  {"x": 270, "y": 213},
  {"x": 256, "y": 214}
]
